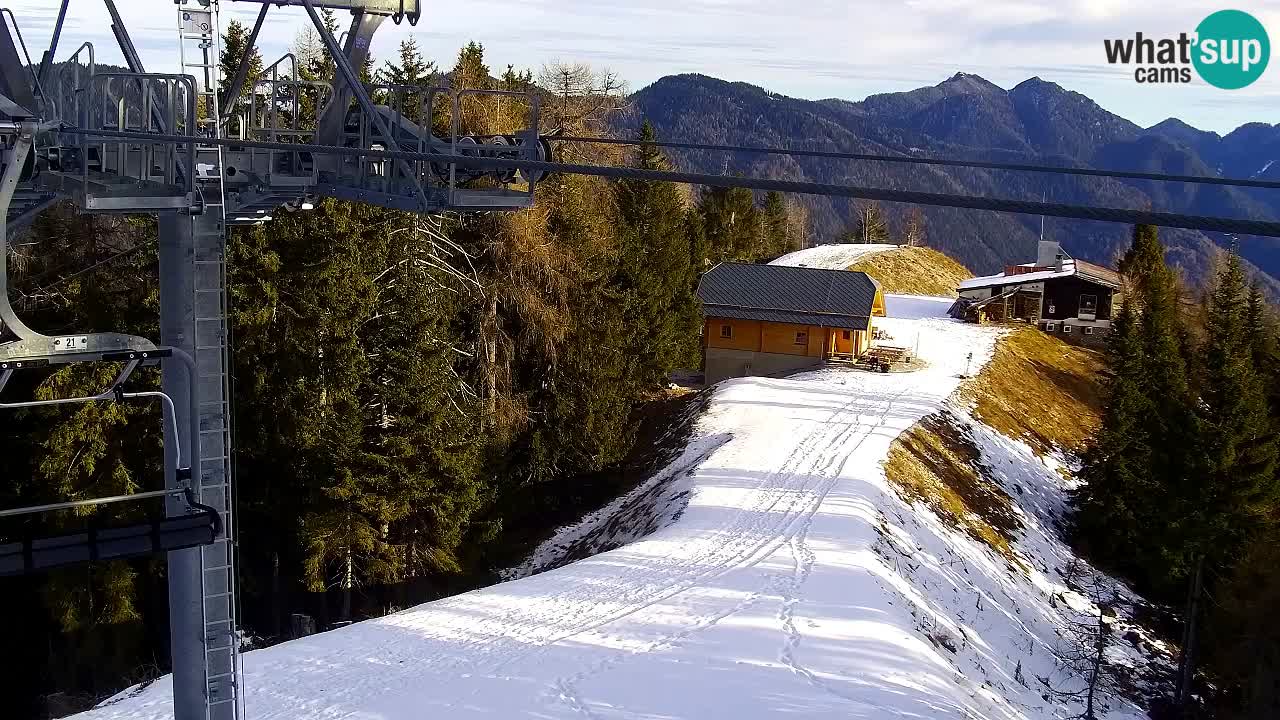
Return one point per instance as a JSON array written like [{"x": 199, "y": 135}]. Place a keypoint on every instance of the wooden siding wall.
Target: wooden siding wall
[
  {"x": 765, "y": 337},
  {"x": 780, "y": 338},
  {"x": 746, "y": 334},
  {"x": 1064, "y": 294}
]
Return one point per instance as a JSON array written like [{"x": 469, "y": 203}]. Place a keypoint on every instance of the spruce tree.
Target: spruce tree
[
  {"x": 1113, "y": 506},
  {"x": 655, "y": 270},
  {"x": 1237, "y": 489},
  {"x": 1144, "y": 457},
  {"x": 1261, "y": 328},
  {"x": 235, "y": 43},
  {"x": 1173, "y": 422},
  {"x": 699, "y": 253},
  {"x": 411, "y": 71},
  {"x": 775, "y": 226},
  {"x": 1232, "y": 494},
  {"x": 730, "y": 224}
]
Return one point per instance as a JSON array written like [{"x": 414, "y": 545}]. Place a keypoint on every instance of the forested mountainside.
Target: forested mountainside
[{"x": 969, "y": 117}]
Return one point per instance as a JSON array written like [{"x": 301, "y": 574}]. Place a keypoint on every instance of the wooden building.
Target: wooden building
[
  {"x": 767, "y": 319},
  {"x": 1059, "y": 294}
]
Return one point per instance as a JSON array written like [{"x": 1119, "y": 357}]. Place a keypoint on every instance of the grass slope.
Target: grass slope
[
  {"x": 1040, "y": 390},
  {"x": 1036, "y": 389},
  {"x": 914, "y": 271}
]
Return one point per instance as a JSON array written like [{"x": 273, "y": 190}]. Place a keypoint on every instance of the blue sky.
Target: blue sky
[{"x": 805, "y": 48}]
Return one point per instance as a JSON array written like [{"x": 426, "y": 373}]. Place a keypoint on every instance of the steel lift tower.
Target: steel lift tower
[{"x": 164, "y": 143}]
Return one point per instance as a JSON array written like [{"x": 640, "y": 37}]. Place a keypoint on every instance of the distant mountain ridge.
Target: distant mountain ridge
[{"x": 967, "y": 116}]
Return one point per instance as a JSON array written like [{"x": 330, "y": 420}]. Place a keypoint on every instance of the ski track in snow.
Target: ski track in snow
[{"x": 768, "y": 595}]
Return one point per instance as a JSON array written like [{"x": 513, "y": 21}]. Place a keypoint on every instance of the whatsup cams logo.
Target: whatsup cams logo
[{"x": 1229, "y": 50}]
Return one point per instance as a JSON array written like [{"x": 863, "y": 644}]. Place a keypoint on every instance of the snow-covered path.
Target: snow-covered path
[{"x": 769, "y": 595}]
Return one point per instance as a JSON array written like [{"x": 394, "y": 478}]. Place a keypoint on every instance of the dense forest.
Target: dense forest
[
  {"x": 966, "y": 116},
  {"x": 1181, "y": 490},
  {"x": 416, "y": 398}
]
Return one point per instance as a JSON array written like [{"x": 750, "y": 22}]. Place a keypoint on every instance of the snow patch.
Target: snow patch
[
  {"x": 790, "y": 579},
  {"x": 831, "y": 257}
]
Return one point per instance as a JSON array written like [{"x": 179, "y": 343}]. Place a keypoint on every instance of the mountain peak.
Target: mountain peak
[
  {"x": 1036, "y": 83},
  {"x": 1176, "y": 129},
  {"x": 969, "y": 83},
  {"x": 1173, "y": 123}
]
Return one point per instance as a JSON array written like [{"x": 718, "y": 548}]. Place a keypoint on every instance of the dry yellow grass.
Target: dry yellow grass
[
  {"x": 914, "y": 271},
  {"x": 1037, "y": 389},
  {"x": 1040, "y": 390},
  {"x": 937, "y": 463}
]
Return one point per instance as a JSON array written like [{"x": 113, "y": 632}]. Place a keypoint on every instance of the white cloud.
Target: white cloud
[{"x": 813, "y": 48}]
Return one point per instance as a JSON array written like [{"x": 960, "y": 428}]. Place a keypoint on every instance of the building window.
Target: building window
[
  {"x": 802, "y": 338},
  {"x": 1066, "y": 329},
  {"x": 1050, "y": 327},
  {"x": 844, "y": 335},
  {"x": 726, "y": 331},
  {"x": 1052, "y": 309},
  {"x": 1088, "y": 304},
  {"x": 1088, "y": 329}
]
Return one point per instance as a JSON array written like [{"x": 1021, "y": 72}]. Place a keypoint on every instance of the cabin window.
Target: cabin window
[
  {"x": 1088, "y": 304},
  {"x": 1050, "y": 327},
  {"x": 802, "y": 338},
  {"x": 1088, "y": 330},
  {"x": 1052, "y": 309},
  {"x": 844, "y": 335},
  {"x": 726, "y": 331},
  {"x": 1066, "y": 329}
]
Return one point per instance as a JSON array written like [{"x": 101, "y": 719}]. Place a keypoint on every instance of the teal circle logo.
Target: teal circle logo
[{"x": 1232, "y": 49}]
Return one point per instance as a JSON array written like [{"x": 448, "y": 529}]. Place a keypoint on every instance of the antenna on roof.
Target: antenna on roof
[{"x": 1043, "y": 198}]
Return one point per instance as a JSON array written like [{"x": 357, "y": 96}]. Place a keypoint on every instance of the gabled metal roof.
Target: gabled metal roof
[
  {"x": 1078, "y": 268},
  {"x": 1098, "y": 274},
  {"x": 777, "y": 293}
]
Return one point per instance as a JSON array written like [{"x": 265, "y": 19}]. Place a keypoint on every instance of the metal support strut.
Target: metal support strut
[{"x": 193, "y": 293}]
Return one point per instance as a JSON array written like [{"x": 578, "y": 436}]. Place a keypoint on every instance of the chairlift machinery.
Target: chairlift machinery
[{"x": 49, "y": 114}]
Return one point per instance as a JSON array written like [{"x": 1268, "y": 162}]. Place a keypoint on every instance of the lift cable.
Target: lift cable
[
  {"x": 913, "y": 160},
  {"x": 970, "y": 202}
]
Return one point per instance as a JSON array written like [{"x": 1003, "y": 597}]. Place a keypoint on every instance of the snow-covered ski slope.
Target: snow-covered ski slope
[
  {"x": 831, "y": 257},
  {"x": 793, "y": 583}
]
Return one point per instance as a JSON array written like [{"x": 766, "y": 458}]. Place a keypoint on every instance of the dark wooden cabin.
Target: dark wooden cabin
[{"x": 1059, "y": 294}]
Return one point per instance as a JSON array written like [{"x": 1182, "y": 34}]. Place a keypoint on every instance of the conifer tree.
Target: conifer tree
[
  {"x": 1237, "y": 490},
  {"x": 1143, "y": 460},
  {"x": 699, "y": 253},
  {"x": 1261, "y": 328},
  {"x": 1113, "y": 505},
  {"x": 411, "y": 71},
  {"x": 1232, "y": 494},
  {"x": 730, "y": 224},
  {"x": 655, "y": 269},
  {"x": 235, "y": 43},
  {"x": 1173, "y": 421},
  {"x": 775, "y": 226}
]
